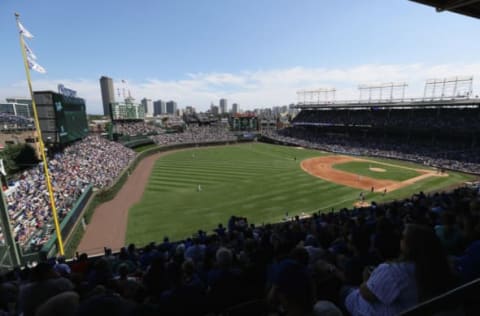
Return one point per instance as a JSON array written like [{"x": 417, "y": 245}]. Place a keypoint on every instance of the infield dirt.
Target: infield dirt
[{"x": 322, "y": 167}]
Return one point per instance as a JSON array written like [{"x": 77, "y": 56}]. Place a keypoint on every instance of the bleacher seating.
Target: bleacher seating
[
  {"x": 440, "y": 137},
  {"x": 10, "y": 122}
]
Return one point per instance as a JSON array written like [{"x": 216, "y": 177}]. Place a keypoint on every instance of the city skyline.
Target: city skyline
[{"x": 198, "y": 53}]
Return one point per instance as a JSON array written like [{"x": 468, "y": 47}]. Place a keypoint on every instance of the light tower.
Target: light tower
[
  {"x": 448, "y": 88},
  {"x": 318, "y": 96},
  {"x": 383, "y": 92}
]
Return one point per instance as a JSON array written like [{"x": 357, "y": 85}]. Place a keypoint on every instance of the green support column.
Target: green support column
[{"x": 7, "y": 232}]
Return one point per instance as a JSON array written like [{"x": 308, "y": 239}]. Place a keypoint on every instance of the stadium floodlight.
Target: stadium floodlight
[
  {"x": 318, "y": 96},
  {"x": 383, "y": 92},
  {"x": 459, "y": 87}
]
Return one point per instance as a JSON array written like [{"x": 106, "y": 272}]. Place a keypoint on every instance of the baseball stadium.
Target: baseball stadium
[{"x": 369, "y": 206}]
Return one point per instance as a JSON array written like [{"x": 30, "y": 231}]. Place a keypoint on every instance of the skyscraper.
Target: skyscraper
[
  {"x": 159, "y": 107},
  {"x": 234, "y": 108},
  {"x": 148, "y": 106},
  {"x": 108, "y": 95},
  {"x": 223, "y": 106},
  {"x": 171, "y": 107}
]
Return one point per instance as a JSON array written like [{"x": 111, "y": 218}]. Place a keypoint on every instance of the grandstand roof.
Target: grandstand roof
[
  {"x": 403, "y": 103},
  {"x": 465, "y": 7}
]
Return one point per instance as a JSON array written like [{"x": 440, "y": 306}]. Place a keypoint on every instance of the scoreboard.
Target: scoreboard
[
  {"x": 62, "y": 118},
  {"x": 244, "y": 123}
]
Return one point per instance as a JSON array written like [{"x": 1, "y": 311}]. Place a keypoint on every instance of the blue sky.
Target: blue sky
[{"x": 256, "y": 53}]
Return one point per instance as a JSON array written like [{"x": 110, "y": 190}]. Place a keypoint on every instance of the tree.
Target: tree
[
  {"x": 26, "y": 157},
  {"x": 17, "y": 157},
  {"x": 8, "y": 155}
]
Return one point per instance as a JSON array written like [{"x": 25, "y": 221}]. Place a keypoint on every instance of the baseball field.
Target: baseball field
[{"x": 200, "y": 187}]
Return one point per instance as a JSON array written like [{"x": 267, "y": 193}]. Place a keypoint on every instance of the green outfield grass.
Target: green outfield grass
[
  {"x": 259, "y": 181},
  {"x": 391, "y": 172}
]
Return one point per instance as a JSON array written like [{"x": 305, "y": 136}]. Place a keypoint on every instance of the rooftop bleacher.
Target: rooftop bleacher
[{"x": 10, "y": 122}]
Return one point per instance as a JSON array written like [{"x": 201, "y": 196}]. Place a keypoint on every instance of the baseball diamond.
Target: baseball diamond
[
  {"x": 260, "y": 181},
  {"x": 324, "y": 167}
]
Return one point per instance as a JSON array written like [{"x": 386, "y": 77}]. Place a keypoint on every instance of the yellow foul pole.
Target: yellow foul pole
[{"x": 42, "y": 147}]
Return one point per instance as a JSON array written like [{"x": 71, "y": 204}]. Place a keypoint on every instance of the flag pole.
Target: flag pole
[{"x": 42, "y": 147}]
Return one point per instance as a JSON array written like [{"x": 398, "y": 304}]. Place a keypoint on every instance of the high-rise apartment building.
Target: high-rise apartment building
[
  {"x": 171, "y": 107},
  {"x": 234, "y": 108},
  {"x": 108, "y": 94},
  {"x": 159, "y": 107},
  {"x": 148, "y": 106},
  {"x": 223, "y": 106}
]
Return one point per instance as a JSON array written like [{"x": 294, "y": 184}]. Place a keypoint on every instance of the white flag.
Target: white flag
[
  {"x": 32, "y": 64},
  {"x": 24, "y": 31},
  {"x": 29, "y": 52}
]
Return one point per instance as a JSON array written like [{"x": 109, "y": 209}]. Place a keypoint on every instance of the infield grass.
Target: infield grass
[{"x": 256, "y": 180}]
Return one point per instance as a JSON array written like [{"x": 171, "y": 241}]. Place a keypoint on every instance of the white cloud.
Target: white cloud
[{"x": 258, "y": 88}]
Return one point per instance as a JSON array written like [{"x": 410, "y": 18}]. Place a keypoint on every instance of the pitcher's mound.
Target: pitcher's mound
[{"x": 377, "y": 169}]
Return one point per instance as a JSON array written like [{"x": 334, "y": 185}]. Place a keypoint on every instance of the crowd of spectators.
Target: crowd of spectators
[
  {"x": 443, "y": 154},
  {"x": 377, "y": 260},
  {"x": 200, "y": 118},
  {"x": 93, "y": 160},
  {"x": 137, "y": 128},
  {"x": 462, "y": 120},
  {"x": 14, "y": 122},
  {"x": 195, "y": 134}
]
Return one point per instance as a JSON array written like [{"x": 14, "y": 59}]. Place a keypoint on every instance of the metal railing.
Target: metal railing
[{"x": 462, "y": 300}]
